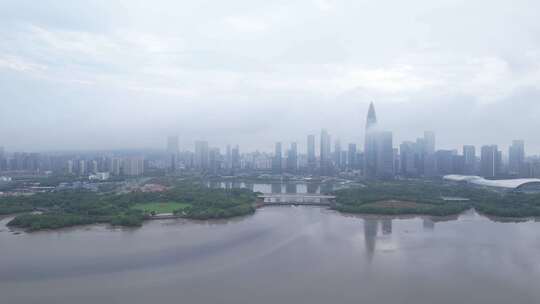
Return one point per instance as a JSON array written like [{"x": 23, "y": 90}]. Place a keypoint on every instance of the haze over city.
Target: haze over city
[
  {"x": 269, "y": 151},
  {"x": 125, "y": 74}
]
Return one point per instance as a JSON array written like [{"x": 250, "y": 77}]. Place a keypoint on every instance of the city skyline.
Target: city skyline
[
  {"x": 255, "y": 151},
  {"x": 381, "y": 158}
]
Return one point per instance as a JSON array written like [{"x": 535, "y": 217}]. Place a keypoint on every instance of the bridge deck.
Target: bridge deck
[
  {"x": 295, "y": 195},
  {"x": 295, "y": 199},
  {"x": 324, "y": 204}
]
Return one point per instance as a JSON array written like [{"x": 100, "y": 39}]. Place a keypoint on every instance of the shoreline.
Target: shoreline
[{"x": 363, "y": 216}]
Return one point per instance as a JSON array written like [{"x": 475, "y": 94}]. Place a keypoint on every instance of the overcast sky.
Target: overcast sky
[{"x": 125, "y": 74}]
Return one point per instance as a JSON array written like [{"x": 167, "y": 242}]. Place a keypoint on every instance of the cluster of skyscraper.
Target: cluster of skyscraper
[
  {"x": 67, "y": 164},
  {"x": 420, "y": 158},
  {"x": 379, "y": 159},
  {"x": 204, "y": 158},
  {"x": 416, "y": 160}
]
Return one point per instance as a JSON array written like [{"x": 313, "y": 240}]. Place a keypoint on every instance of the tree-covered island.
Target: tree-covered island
[
  {"x": 436, "y": 198},
  {"x": 195, "y": 200},
  {"x": 70, "y": 208}
]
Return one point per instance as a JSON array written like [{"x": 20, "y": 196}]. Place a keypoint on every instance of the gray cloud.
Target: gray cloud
[{"x": 113, "y": 74}]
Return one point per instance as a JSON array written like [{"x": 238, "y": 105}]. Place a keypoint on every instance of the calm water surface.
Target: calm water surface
[{"x": 279, "y": 255}]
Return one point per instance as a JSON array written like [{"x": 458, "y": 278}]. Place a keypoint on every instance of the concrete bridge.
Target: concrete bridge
[{"x": 276, "y": 199}]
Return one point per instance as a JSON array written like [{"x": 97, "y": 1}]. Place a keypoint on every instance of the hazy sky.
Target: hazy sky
[{"x": 125, "y": 74}]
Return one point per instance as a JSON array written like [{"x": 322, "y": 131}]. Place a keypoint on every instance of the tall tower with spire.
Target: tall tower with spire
[
  {"x": 370, "y": 144},
  {"x": 378, "y": 149},
  {"x": 371, "y": 117}
]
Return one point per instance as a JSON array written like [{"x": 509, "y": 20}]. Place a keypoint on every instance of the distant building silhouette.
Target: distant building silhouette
[
  {"x": 378, "y": 149},
  {"x": 429, "y": 140},
  {"x": 338, "y": 161},
  {"x": 311, "y": 159},
  {"x": 325, "y": 152},
  {"x": 292, "y": 158},
  {"x": 277, "y": 161},
  {"x": 352, "y": 157},
  {"x": 384, "y": 155},
  {"x": 3, "y": 160},
  {"x": 228, "y": 158},
  {"x": 235, "y": 159},
  {"x": 214, "y": 160},
  {"x": 444, "y": 160},
  {"x": 201, "y": 157},
  {"x": 173, "y": 150},
  {"x": 133, "y": 166},
  {"x": 516, "y": 158},
  {"x": 371, "y": 121},
  {"x": 370, "y": 144},
  {"x": 490, "y": 162},
  {"x": 469, "y": 155},
  {"x": 407, "y": 153}
]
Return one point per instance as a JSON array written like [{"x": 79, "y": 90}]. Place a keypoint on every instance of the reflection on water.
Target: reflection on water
[
  {"x": 370, "y": 236},
  {"x": 278, "y": 255},
  {"x": 386, "y": 226},
  {"x": 371, "y": 230},
  {"x": 290, "y": 188},
  {"x": 381, "y": 226},
  {"x": 428, "y": 224},
  {"x": 276, "y": 188},
  {"x": 312, "y": 188}
]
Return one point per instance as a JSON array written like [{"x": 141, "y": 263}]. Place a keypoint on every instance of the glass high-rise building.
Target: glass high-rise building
[
  {"x": 490, "y": 162},
  {"x": 469, "y": 155},
  {"x": 338, "y": 161},
  {"x": 325, "y": 151},
  {"x": 352, "y": 157},
  {"x": 408, "y": 156},
  {"x": 370, "y": 144},
  {"x": 385, "y": 155},
  {"x": 516, "y": 157},
  {"x": 278, "y": 159},
  {"x": 201, "y": 157},
  {"x": 292, "y": 158},
  {"x": 429, "y": 140},
  {"x": 311, "y": 159},
  {"x": 378, "y": 149}
]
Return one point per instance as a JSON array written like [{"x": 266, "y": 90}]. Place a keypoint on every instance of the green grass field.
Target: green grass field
[{"x": 162, "y": 207}]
